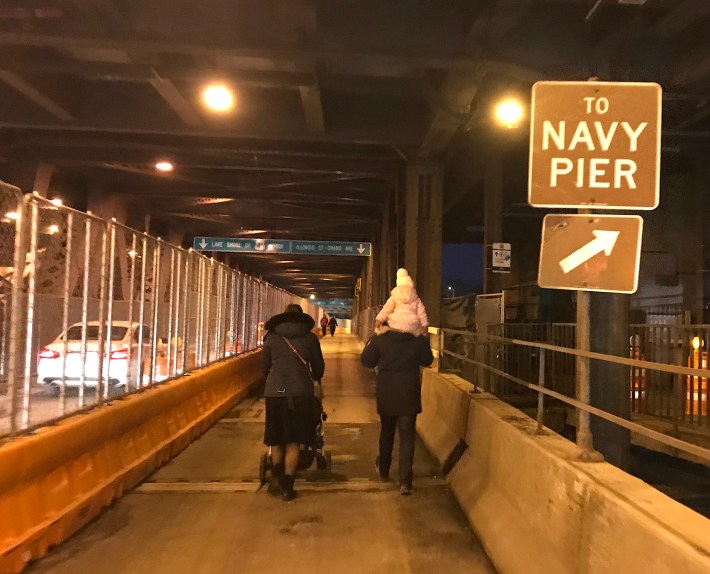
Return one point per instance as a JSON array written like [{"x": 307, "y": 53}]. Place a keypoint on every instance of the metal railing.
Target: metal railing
[
  {"x": 98, "y": 310},
  {"x": 484, "y": 360},
  {"x": 653, "y": 393},
  {"x": 363, "y": 324}
]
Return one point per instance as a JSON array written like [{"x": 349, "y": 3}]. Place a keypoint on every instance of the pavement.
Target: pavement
[{"x": 206, "y": 512}]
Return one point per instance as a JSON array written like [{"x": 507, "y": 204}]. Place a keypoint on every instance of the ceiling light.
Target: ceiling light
[
  {"x": 14, "y": 215},
  {"x": 312, "y": 297},
  {"x": 164, "y": 166},
  {"x": 218, "y": 98},
  {"x": 509, "y": 112},
  {"x": 56, "y": 201}
]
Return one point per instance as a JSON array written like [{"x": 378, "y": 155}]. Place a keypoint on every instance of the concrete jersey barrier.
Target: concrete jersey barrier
[
  {"x": 58, "y": 479},
  {"x": 537, "y": 509}
]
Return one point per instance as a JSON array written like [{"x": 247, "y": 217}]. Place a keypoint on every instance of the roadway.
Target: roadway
[{"x": 205, "y": 511}]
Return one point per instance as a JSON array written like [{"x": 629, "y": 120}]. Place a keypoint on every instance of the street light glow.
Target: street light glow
[
  {"x": 164, "y": 166},
  {"x": 218, "y": 98},
  {"x": 509, "y": 112}
]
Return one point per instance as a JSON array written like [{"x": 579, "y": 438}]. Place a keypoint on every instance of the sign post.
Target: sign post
[
  {"x": 500, "y": 260},
  {"x": 593, "y": 145}
]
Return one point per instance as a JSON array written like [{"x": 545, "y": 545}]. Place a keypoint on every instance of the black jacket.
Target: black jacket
[
  {"x": 286, "y": 375},
  {"x": 398, "y": 357}
]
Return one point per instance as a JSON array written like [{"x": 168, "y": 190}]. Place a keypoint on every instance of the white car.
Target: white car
[{"x": 119, "y": 375}]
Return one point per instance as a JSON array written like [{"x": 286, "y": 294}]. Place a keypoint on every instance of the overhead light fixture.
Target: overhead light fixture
[
  {"x": 218, "y": 98},
  {"x": 13, "y": 215},
  {"x": 509, "y": 113},
  {"x": 164, "y": 166},
  {"x": 57, "y": 201},
  {"x": 312, "y": 297}
]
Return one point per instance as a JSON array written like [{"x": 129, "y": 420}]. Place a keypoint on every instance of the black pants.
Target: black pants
[
  {"x": 407, "y": 436},
  {"x": 324, "y": 329},
  {"x": 332, "y": 331}
]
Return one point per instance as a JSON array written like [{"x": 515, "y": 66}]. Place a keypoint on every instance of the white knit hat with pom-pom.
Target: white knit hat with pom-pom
[{"x": 403, "y": 278}]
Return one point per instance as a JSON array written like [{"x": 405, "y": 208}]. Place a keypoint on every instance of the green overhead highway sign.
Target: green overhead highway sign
[{"x": 293, "y": 246}]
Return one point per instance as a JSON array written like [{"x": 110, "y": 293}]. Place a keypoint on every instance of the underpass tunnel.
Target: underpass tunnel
[{"x": 174, "y": 175}]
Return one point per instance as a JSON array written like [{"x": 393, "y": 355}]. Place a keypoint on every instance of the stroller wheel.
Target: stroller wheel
[{"x": 263, "y": 468}]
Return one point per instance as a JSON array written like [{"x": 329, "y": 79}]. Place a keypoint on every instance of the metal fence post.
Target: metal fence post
[{"x": 540, "y": 394}]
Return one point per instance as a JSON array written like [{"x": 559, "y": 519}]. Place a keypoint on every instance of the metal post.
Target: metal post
[
  {"x": 186, "y": 314},
  {"x": 102, "y": 310},
  {"x": 131, "y": 296},
  {"x": 207, "y": 322},
  {"x": 85, "y": 307},
  {"x": 540, "y": 394},
  {"x": 31, "y": 285},
  {"x": 16, "y": 325},
  {"x": 232, "y": 312},
  {"x": 218, "y": 314},
  {"x": 141, "y": 309},
  {"x": 109, "y": 316},
  {"x": 200, "y": 309},
  {"x": 65, "y": 312},
  {"x": 176, "y": 278},
  {"x": 157, "y": 296},
  {"x": 584, "y": 433}
]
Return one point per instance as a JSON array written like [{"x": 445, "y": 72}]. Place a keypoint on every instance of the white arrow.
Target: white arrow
[
  {"x": 361, "y": 249},
  {"x": 603, "y": 241},
  {"x": 203, "y": 243}
]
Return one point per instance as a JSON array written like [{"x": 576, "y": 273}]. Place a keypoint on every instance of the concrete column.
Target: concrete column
[
  {"x": 609, "y": 334},
  {"x": 691, "y": 260},
  {"x": 43, "y": 178},
  {"x": 411, "y": 219},
  {"x": 492, "y": 219},
  {"x": 424, "y": 221}
]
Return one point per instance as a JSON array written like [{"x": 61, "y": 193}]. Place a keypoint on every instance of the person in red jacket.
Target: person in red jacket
[{"x": 324, "y": 324}]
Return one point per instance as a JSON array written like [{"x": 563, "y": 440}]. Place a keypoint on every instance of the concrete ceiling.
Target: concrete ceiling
[{"x": 333, "y": 96}]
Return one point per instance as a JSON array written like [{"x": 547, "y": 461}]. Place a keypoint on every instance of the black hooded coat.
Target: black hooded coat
[
  {"x": 398, "y": 357},
  {"x": 286, "y": 375}
]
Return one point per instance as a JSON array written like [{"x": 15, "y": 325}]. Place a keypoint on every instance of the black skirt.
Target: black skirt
[{"x": 290, "y": 420}]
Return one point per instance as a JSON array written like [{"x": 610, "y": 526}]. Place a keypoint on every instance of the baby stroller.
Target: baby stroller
[{"x": 308, "y": 452}]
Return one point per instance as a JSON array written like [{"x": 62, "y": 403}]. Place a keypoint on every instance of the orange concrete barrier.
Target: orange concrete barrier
[{"x": 55, "y": 481}]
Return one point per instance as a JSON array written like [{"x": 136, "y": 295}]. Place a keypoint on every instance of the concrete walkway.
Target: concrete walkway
[{"x": 205, "y": 512}]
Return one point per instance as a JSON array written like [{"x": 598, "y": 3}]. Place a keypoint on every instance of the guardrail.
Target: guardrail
[
  {"x": 489, "y": 368},
  {"x": 98, "y": 310},
  {"x": 652, "y": 393}
]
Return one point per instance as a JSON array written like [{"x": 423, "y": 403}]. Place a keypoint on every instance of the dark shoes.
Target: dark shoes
[
  {"x": 405, "y": 489},
  {"x": 287, "y": 491},
  {"x": 384, "y": 476}
]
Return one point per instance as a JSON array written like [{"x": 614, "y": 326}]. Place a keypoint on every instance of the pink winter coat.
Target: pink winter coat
[{"x": 404, "y": 311}]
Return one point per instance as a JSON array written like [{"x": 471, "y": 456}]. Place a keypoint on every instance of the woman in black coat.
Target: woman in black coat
[
  {"x": 398, "y": 357},
  {"x": 291, "y": 359}
]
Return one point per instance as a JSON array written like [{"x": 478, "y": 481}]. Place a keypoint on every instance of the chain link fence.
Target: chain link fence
[{"x": 92, "y": 309}]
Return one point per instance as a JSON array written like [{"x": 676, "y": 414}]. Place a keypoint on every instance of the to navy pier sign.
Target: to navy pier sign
[{"x": 595, "y": 145}]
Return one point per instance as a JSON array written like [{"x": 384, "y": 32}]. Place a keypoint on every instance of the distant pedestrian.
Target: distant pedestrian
[
  {"x": 324, "y": 324},
  {"x": 398, "y": 357},
  {"x": 333, "y": 323}
]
